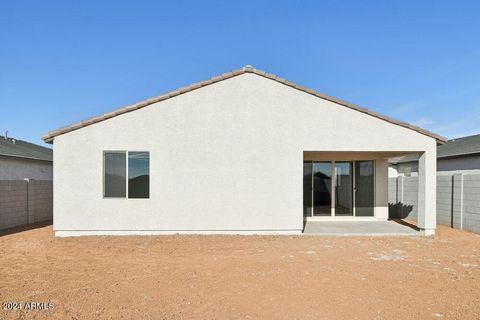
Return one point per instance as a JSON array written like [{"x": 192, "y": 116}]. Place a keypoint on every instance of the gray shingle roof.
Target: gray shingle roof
[
  {"x": 22, "y": 149},
  {"x": 459, "y": 147},
  {"x": 247, "y": 69}
]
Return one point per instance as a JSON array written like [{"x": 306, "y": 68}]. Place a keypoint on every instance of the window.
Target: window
[
  {"x": 138, "y": 175},
  {"x": 115, "y": 174},
  {"x": 118, "y": 165}
]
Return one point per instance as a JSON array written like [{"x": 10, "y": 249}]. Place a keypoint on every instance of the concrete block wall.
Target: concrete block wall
[
  {"x": 403, "y": 197},
  {"x": 410, "y": 197},
  {"x": 42, "y": 196},
  {"x": 13, "y": 203},
  {"x": 24, "y": 202},
  {"x": 444, "y": 200},
  {"x": 392, "y": 194},
  {"x": 471, "y": 203},
  {"x": 456, "y": 212},
  {"x": 458, "y": 200}
]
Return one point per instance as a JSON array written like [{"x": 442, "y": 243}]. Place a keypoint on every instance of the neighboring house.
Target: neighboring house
[
  {"x": 24, "y": 160},
  {"x": 26, "y": 188},
  {"x": 243, "y": 152},
  {"x": 460, "y": 155}
]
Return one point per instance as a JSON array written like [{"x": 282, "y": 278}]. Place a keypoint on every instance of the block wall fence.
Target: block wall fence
[
  {"x": 25, "y": 202},
  {"x": 458, "y": 200}
]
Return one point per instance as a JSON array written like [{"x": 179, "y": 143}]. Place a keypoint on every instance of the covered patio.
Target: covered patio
[{"x": 346, "y": 193}]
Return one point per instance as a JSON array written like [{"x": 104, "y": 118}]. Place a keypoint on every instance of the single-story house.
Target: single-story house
[
  {"x": 243, "y": 152},
  {"x": 24, "y": 160},
  {"x": 459, "y": 155}
]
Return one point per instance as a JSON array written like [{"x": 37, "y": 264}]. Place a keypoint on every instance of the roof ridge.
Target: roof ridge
[{"x": 246, "y": 69}]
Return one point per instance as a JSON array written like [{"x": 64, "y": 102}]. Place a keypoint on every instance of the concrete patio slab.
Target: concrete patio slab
[{"x": 360, "y": 228}]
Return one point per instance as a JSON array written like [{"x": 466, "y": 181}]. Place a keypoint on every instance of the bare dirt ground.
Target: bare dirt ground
[{"x": 241, "y": 277}]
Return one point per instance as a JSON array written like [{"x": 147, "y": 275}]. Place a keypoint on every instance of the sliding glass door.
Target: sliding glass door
[
  {"x": 343, "y": 188},
  {"x": 364, "y": 190},
  {"x": 322, "y": 188},
  {"x": 317, "y": 188},
  {"x": 338, "y": 188}
]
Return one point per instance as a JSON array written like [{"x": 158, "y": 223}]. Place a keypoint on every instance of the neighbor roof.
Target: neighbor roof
[
  {"x": 458, "y": 147},
  {"x": 21, "y": 149},
  {"x": 247, "y": 69}
]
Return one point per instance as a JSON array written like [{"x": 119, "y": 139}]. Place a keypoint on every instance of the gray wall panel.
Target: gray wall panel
[
  {"x": 458, "y": 200},
  {"x": 24, "y": 202}
]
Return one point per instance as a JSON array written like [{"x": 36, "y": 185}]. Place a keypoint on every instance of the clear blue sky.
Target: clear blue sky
[{"x": 63, "y": 61}]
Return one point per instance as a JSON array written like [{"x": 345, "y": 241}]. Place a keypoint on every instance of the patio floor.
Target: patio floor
[{"x": 361, "y": 228}]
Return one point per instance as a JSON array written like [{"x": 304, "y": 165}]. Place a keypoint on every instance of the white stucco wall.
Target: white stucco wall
[
  {"x": 12, "y": 168},
  {"x": 381, "y": 189},
  {"x": 223, "y": 158}
]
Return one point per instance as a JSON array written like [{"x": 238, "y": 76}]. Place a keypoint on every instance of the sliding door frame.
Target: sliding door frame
[{"x": 333, "y": 190}]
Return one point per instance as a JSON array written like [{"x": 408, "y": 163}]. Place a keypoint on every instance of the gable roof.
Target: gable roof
[
  {"x": 247, "y": 69},
  {"x": 22, "y": 149}
]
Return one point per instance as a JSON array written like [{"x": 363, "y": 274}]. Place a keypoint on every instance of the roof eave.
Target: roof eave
[
  {"x": 24, "y": 157},
  {"x": 459, "y": 155},
  {"x": 247, "y": 69},
  {"x": 47, "y": 139}
]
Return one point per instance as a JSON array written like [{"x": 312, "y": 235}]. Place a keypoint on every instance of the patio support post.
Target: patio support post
[
  {"x": 381, "y": 189},
  {"x": 427, "y": 181}
]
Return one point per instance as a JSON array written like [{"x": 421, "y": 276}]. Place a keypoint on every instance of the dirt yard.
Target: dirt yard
[{"x": 240, "y": 277}]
